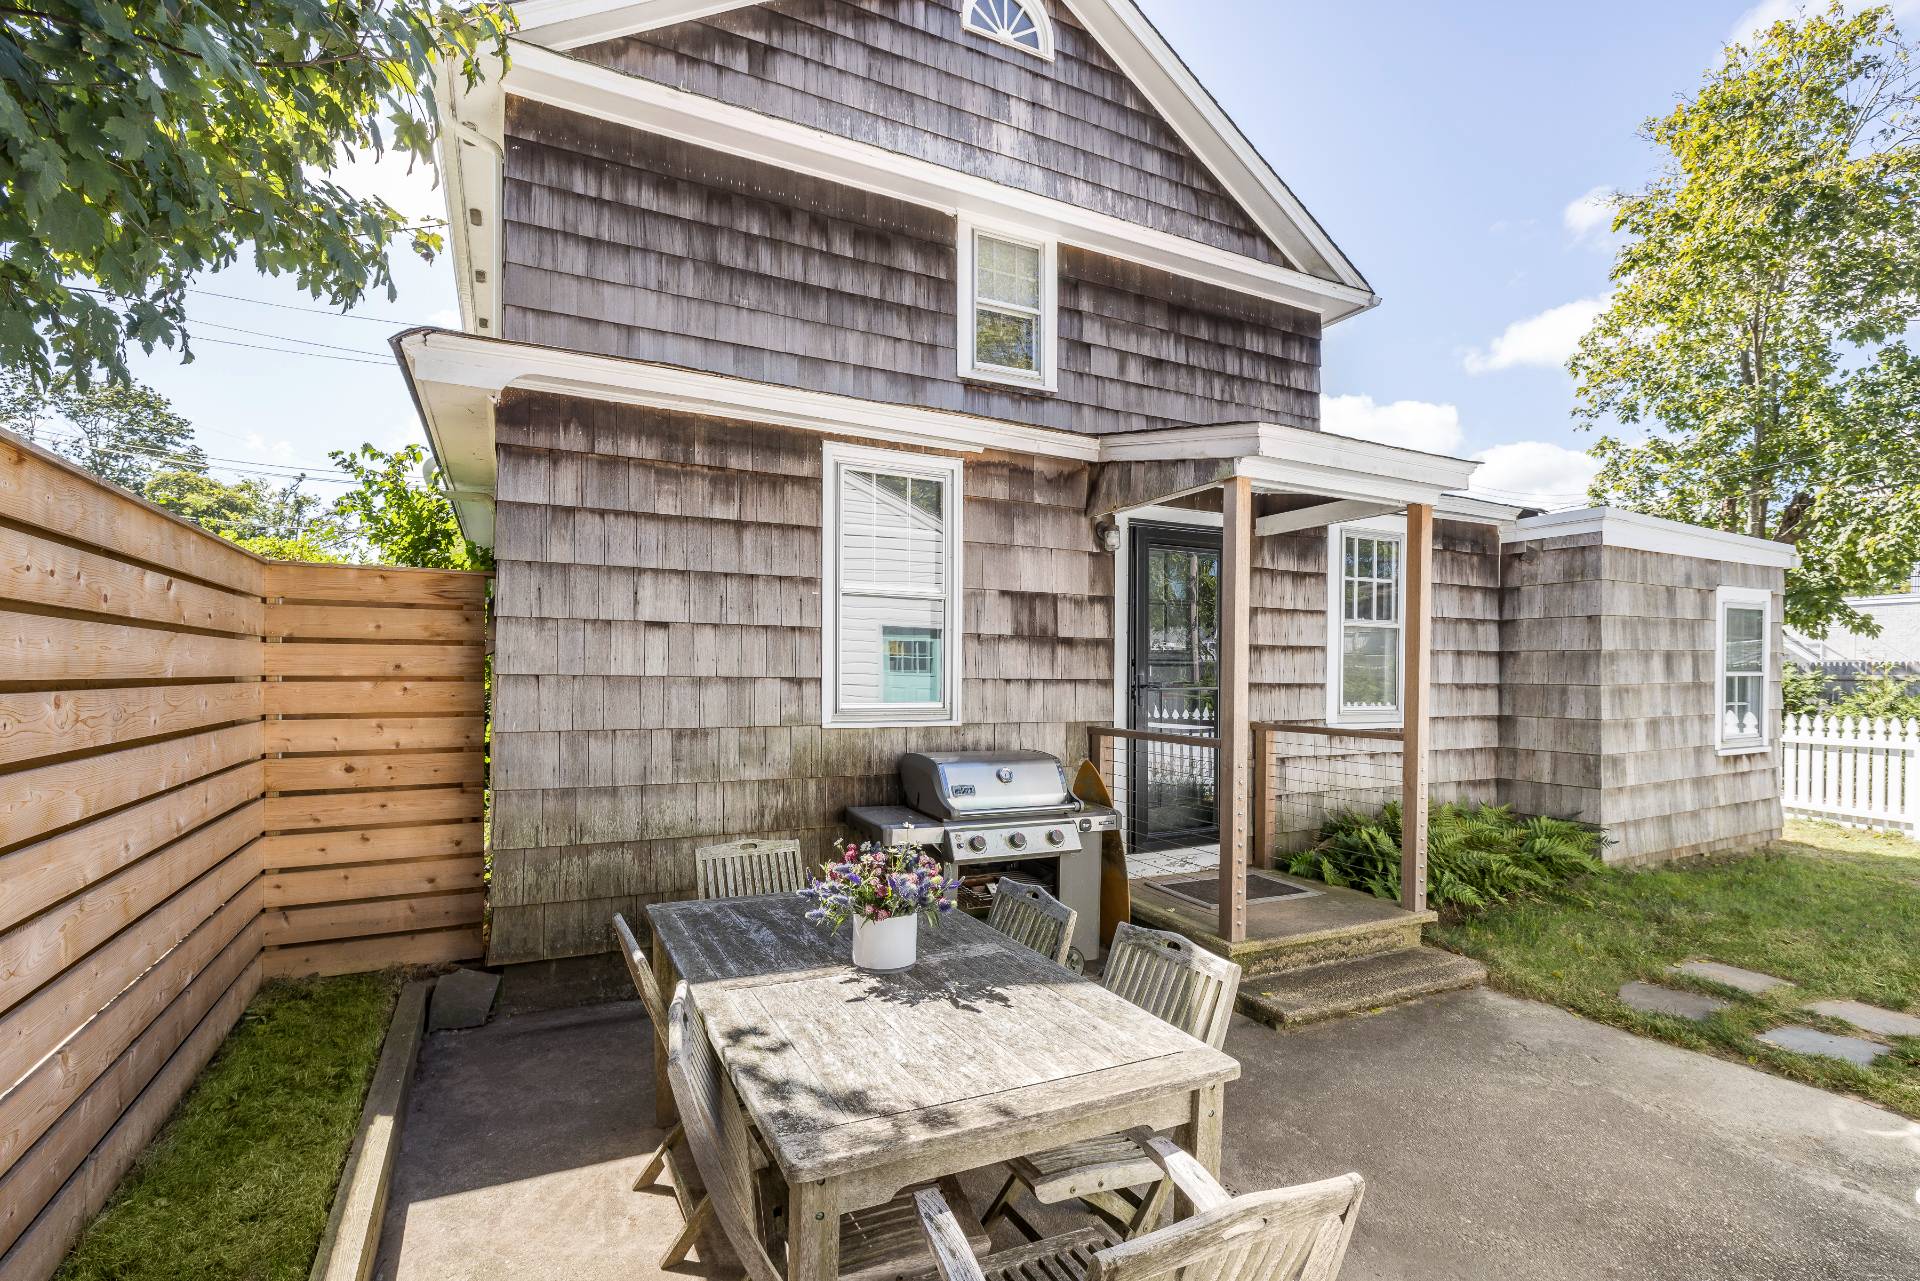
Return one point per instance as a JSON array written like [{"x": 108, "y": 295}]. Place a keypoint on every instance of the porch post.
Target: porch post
[
  {"x": 1416, "y": 670},
  {"x": 1232, "y": 793}
]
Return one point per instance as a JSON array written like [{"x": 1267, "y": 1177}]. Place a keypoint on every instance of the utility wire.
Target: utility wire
[
  {"x": 288, "y": 351},
  {"x": 280, "y": 471}
]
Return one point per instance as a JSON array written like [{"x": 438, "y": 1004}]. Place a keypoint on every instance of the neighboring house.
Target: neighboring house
[
  {"x": 847, "y": 377},
  {"x": 1844, "y": 657}
]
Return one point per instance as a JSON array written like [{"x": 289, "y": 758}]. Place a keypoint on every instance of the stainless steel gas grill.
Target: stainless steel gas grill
[{"x": 992, "y": 813}]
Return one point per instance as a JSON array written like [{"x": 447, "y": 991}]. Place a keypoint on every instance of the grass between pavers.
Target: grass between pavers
[
  {"x": 1834, "y": 911},
  {"x": 237, "y": 1185}
]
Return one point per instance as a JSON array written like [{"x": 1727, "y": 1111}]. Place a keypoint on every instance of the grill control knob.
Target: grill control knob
[
  {"x": 976, "y": 843},
  {"x": 1055, "y": 836},
  {"x": 1018, "y": 840}
]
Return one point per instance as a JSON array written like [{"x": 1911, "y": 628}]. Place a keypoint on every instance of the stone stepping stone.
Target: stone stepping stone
[
  {"x": 461, "y": 999},
  {"x": 1651, "y": 998},
  {"x": 1806, "y": 1040},
  {"x": 1869, "y": 1018},
  {"x": 1752, "y": 982}
]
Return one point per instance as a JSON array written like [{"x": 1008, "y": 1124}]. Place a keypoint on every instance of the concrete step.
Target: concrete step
[{"x": 1336, "y": 988}]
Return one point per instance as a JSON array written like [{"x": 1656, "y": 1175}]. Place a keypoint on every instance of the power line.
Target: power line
[
  {"x": 277, "y": 471},
  {"x": 261, "y": 333},
  {"x": 288, "y": 351},
  {"x": 262, "y": 302}
]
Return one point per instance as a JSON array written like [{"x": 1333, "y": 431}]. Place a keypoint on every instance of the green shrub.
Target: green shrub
[{"x": 1476, "y": 854}]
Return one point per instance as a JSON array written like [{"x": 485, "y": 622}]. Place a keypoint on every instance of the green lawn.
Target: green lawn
[
  {"x": 1835, "y": 911},
  {"x": 238, "y": 1184}
]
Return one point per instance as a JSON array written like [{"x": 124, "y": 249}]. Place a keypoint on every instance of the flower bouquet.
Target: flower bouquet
[{"x": 884, "y": 890}]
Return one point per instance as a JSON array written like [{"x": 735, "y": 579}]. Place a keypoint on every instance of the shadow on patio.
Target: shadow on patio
[{"x": 1498, "y": 1137}]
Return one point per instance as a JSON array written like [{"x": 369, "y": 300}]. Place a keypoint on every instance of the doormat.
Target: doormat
[{"x": 1262, "y": 887}]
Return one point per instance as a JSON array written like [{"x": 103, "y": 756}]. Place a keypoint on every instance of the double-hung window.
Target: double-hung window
[
  {"x": 1364, "y": 625},
  {"x": 1743, "y": 652},
  {"x": 1008, "y": 301},
  {"x": 891, "y": 613}
]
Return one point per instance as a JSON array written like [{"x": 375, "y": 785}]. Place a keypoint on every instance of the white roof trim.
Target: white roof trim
[
  {"x": 457, "y": 379},
  {"x": 1276, "y": 456},
  {"x": 1653, "y": 534},
  {"x": 559, "y": 81},
  {"x": 1128, "y": 37}
]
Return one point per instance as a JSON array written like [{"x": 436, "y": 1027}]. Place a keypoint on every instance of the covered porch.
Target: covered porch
[{"x": 1222, "y": 776}]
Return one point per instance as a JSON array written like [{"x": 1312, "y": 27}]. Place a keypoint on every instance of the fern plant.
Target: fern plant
[{"x": 1477, "y": 855}]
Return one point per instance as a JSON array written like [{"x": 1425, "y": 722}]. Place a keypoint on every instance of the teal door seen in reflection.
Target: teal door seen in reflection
[{"x": 910, "y": 671}]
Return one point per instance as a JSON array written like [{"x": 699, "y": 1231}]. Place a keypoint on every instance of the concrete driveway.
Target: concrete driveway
[{"x": 1499, "y": 1138}]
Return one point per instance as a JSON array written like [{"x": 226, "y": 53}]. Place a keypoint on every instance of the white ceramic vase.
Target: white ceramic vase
[{"x": 886, "y": 945}]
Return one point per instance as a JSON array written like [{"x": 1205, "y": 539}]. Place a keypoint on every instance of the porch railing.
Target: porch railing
[
  {"x": 1304, "y": 773},
  {"x": 1166, "y": 784}
]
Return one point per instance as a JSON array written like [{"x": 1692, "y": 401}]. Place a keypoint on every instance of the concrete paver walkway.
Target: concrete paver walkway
[{"x": 1499, "y": 1138}]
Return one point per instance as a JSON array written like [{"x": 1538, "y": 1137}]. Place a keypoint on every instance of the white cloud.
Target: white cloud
[
  {"x": 1545, "y": 340},
  {"x": 1588, "y": 218},
  {"x": 1533, "y": 473},
  {"x": 1767, "y": 12},
  {"x": 1411, "y": 424},
  {"x": 445, "y": 318}
]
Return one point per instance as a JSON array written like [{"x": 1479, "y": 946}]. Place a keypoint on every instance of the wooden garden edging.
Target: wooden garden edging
[
  {"x": 214, "y": 769},
  {"x": 351, "y": 1241}
]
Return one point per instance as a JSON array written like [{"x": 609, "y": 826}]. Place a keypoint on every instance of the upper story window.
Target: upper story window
[
  {"x": 1364, "y": 608},
  {"x": 1008, "y": 305},
  {"x": 891, "y": 611},
  {"x": 1742, "y": 642},
  {"x": 1022, "y": 25}
]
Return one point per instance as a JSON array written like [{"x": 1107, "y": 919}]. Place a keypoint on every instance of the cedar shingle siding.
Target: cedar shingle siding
[
  {"x": 624, "y": 244},
  {"x": 1609, "y": 699},
  {"x": 657, "y": 669},
  {"x": 905, "y": 75}
]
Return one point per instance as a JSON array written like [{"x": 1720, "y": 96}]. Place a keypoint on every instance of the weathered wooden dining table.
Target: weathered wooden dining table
[{"x": 862, "y": 1084}]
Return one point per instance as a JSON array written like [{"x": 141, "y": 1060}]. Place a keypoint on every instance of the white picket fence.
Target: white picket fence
[{"x": 1865, "y": 773}]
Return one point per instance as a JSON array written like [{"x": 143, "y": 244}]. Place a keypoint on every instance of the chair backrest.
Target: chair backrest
[
  {"x": 1028, "y": 914},
  {"x": 745, "y": 868},
  {"x": 1292, "y": 1234},
  {"x": 717, "y": 1134},
  {"x": 1174, "y": 978},
  {"x": 644, "y": 980}
]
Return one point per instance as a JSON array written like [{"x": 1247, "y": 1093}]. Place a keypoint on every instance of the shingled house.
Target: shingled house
[{"x": 839, "y": 378}]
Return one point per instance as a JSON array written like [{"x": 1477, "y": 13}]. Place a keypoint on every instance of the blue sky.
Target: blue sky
[{"x": 1451, "y": 150}]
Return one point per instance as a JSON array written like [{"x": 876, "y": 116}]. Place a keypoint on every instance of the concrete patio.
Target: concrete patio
[{"x": 1499, "y": 1138}]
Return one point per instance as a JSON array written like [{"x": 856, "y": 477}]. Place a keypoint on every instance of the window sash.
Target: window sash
[
  {"x": 1743, "y": 673},
  {"x": 983, "y": 300},
  {"x": 882, "y": 522},
  {"x": 1368, "y": 608}
]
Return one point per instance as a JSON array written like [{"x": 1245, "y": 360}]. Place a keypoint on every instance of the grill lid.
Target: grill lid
[{"x": 951, "y": 785}]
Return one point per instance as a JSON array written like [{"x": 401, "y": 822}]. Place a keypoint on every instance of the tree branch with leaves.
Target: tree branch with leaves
[
  {"x": 1759, "y": 325},
  {"x": 141, "y": 145}
]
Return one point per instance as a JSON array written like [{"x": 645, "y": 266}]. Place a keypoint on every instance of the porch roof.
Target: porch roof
[{"x": 1353, "y": 478}]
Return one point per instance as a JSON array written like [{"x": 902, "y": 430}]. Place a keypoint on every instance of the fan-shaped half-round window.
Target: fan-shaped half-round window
[{"x": 1021, "y": 23}]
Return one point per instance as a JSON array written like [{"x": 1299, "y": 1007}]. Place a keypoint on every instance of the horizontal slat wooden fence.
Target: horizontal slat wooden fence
[{"x": 213, "y": 769}]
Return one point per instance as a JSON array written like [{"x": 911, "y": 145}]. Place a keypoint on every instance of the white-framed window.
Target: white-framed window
[
  {"x": 890, "y": 611},
  {"x": 1009, "y": 303},
  {"x": 1023, "y": 24},
  {"x": 1366, "y": 604},
  {"x": 1743, "y": 648}
]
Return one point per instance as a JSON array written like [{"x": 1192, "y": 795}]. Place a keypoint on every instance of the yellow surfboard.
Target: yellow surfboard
[{"x": 1116, "y": 900}]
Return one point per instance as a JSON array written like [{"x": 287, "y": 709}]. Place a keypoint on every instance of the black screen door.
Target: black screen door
[{"x": 1174, "y": 683}]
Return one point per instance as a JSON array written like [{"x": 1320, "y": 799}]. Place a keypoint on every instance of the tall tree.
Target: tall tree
[
  {"x": 1759, "y": 324},
  {"x": 126, "y": 434},
  {"x": 141, "y": 144}
]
